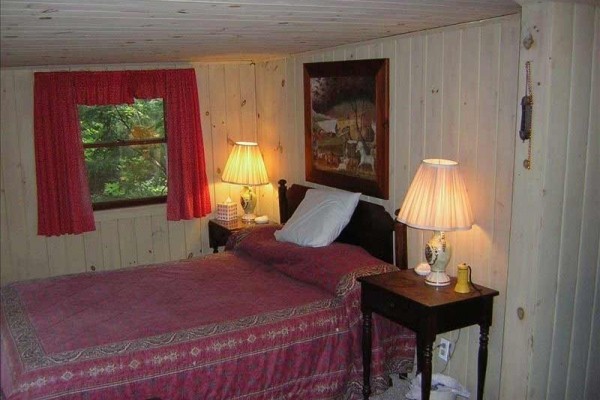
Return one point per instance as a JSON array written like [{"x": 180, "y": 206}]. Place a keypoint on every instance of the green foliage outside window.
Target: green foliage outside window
[{"x": 125, "y": 150}]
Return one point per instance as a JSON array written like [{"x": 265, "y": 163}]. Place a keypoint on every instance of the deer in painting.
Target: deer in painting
[{"x": 365, "y": 159}]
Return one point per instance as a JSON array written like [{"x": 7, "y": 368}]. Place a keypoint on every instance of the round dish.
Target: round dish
[
  {"x": 261, "y": 220},
  {"x": 423, "y": 269}
]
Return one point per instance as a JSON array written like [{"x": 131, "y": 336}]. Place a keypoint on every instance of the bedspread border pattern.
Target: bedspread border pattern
[{"x": 32, "y": 355}]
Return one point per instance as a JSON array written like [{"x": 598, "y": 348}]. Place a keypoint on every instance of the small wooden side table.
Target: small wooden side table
[
  {"x": 219, "y": 231},
  {"x": 405, "y": 298}
]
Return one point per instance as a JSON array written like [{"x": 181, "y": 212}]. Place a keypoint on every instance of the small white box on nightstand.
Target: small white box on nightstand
[{"x": 227, "y": 211}]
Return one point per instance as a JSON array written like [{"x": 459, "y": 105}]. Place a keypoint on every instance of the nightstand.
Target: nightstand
[
  {"x": 219, "y": 231},
  {"x": 405, "y": 298}
]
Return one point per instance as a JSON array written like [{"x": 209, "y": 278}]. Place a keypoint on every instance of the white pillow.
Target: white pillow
[{"x": 319, "y": 218}]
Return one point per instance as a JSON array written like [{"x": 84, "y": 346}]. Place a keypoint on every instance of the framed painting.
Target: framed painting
[{"x": 346, "y": 112}]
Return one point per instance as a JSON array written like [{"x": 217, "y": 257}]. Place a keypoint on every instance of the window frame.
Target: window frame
[{"x": 123, "y": 203}]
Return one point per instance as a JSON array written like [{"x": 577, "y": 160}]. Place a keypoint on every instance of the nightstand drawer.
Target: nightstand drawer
[{"x": 391, "y": 305}]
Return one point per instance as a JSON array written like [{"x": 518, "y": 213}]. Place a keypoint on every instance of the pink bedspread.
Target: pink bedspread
[{"x": 266, "y": 320}]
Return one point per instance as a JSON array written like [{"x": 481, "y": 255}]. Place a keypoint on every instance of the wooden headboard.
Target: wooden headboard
[{"x": 370, "y": 227}]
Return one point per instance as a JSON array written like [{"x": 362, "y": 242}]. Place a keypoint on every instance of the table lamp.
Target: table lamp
[
  {"x": 245, "y": 166},
  {"x": 437, "y": 200}
]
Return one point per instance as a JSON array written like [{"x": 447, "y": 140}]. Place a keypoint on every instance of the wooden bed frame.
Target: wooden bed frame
[{"x": 368, "y": 217}]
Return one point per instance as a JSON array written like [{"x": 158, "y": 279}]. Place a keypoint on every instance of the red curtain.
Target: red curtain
[
  {"x": 64, "y": 204},
  {"x": 186, "y": 166},
  {"x": 101, "y": 88}
]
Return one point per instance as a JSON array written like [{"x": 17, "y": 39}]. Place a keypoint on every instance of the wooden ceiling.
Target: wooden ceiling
[{"x": 71, "y": 32}]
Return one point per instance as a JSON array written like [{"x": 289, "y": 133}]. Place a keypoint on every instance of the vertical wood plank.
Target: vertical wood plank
[
  {"x": 271, "y": 80},
  {"x": 111, "y": 254},
  {"x": 557, "y": 115},
  {"x": 160, "y": 239},
  {"x": 467, "y": 155},
  {"x": 127, "y": 242},
  {"x": 193, "y": 237},
  {"x": 350, "y": 53},
  {"x": 142, "y": 227},
  {"x": 7, "y": 272},
  {"x": 589, "y": 277},
  {"x": 450, "y": 113},
  {"x": 582, "y": 158},
  {"x": 338, "y": 54},
  {"x": 92, "y": 242},
  {"x": 329, "y": 56},
  {"x": 417, "y": 133},
  {"x": 450, "y": 125},
  {"x": 525, "y": 220},
  {"x": 581, "y": 24},
  {"x": 449, "y": 143},
  {"x": 432, "y": 94},
  {"x": 297, "y": 145},
  {"x": 176, "y": 240},
  {"x": 319, "y": 57},
  {"x": 288, "y": 122},
  {"x": 75, "y": 253},
  {"x": 376, "y": 50},
  {"x": 233, "y": 103},
  {"x": 593, "y": 364},
  {"x": 219, "y": 130},
  {"x": 248, "y": 101},
  {"x": 37, "y": 258},
  {"x": 469, "y": 109},
  {"x": 12, "y": 177},
  {"x": 57, "y": 256},
  {"x": 361, "y": 52},
  {"x": 397, "y": 131},
  {"x": 402, "y": 117},
  {"x": 505, "y": 144},
  {"x": 483, "y": 190}
]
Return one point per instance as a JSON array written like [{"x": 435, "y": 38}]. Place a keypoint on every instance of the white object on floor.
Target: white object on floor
[{"x": 443, "y": 387}]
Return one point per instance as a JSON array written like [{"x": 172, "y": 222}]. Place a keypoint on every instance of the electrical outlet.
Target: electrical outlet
[{"x": 444, "y": 349}]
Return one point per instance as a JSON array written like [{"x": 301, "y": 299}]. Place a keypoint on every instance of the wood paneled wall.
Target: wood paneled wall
[
  {"x": 131, "y": 236},
  {"x": 554, "y": 276},
  {"x": 453, "y": 94}
]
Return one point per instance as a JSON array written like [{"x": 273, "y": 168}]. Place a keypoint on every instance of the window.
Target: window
[
  {"x": 63, "y": 191},
  {"x": 125, "y": 151}
]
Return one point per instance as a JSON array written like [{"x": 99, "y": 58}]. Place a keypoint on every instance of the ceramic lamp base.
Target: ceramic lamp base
[
  {"x": 248, "y": 217},
  {"x": 248, "y": 202},
  {"x": 437, "y": 278},
  {"x": 438, "y": 253}
]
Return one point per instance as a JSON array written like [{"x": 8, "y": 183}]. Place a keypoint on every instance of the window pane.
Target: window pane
[
  {"x": 119, "y": 170},
  {"x": 127, "y": 172},
  {"x": 144, "y": 119}
]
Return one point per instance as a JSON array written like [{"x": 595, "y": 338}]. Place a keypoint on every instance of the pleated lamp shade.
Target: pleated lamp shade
[
  {"x": 245, "y": 166},
  {"x": 437, "y": 198}
]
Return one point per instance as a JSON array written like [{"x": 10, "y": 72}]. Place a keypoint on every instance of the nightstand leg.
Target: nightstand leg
[
  {"x": 426, "y": 369},
  {"x": 420, "y": 345},
  {"x": 366, "y": 347},
  {"x": 482, "y": 359}
]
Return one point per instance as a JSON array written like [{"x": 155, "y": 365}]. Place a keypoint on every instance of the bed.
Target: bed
[{"x": 263, "y": 320}]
